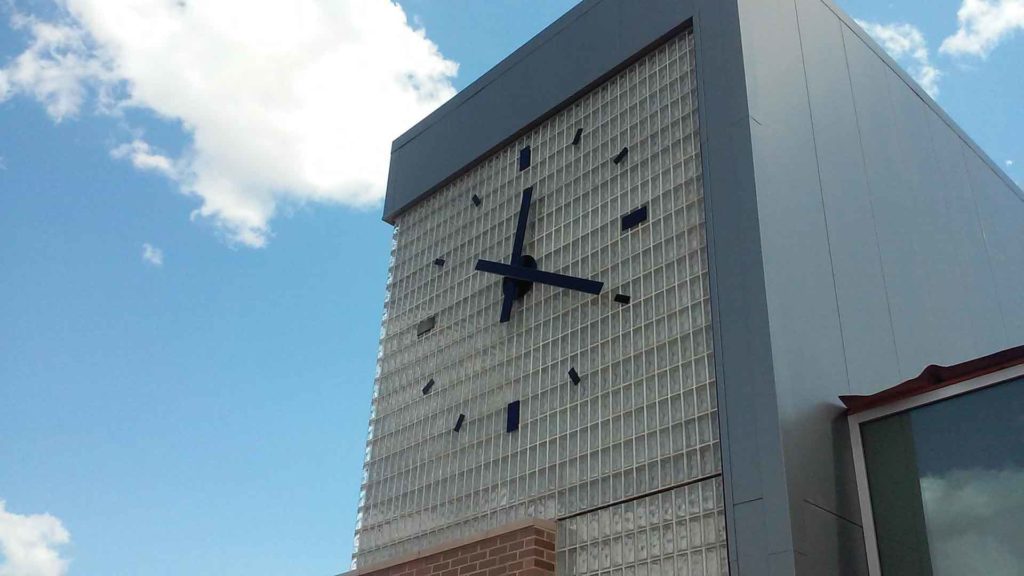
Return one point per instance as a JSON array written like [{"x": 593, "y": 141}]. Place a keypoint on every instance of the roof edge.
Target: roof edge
[{"x": 936, "y": 378}]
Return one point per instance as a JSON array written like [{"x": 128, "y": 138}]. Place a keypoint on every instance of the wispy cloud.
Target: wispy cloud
[
  {"x": 143, "y": 157},
  {"x": 152, "y": 256},
  {"x": 906, "y": 43},
  {"x": 1009, "y": 163},
  {"x": 3, "y": 163},
  {"x": 285, "y": 102},
  {"x": 983, "y": 25},
  {"x": 30, "y": 544}
]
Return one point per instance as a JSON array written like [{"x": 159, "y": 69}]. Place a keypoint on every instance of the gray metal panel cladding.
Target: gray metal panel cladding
[
  {"x": 1001, "y": 217},
  {"x": 889, "y": 242},
  {"x": 806, "y": 340},
  {"x": 857, "y": 265},
  {"x": 751, "y": 442}
]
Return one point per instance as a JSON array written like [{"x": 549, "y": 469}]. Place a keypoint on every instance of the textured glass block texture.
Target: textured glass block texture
[
  {"x": 643, "y": 417},
  {"x": 676, "y": 533}
]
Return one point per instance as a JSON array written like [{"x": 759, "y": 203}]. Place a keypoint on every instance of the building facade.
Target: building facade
[{"x": 634, "y": 269}]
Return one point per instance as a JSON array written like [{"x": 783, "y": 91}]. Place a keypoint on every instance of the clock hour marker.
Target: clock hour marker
[
  {"x": 476, "y": 200},
  {"x": 512, "y": 417},
  {"x": 623, "y": 298},
  {"x": 578, "y": 137},
  {"x": 428, "y": 387},
  {"x": 439, "y": 262},
  {"x": 621, "y": 156},
  {"x": 459, "y": 422},
  {"x": 574, "y": 376},
  {"x": 524, "y": 158},
  {"x": 634, "y": 218},
  {"x": 425, "y": 326}
]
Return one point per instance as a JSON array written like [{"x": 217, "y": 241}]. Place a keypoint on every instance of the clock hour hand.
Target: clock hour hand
[
  {"x": 509, "y": 288},
  {"x": 525, "y": 274}
]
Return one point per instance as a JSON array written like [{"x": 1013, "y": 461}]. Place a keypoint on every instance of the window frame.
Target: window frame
[{"x": 905, "y": 405}]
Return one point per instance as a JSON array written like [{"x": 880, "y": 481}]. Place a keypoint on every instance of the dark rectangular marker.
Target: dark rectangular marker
[
  {"x": 476, "y": 200},
  {"x": 578, "y": 137},
  {"x": 425, "y": 326},
  {"x": 623, "y": 298},
  {"x": 512, "y": 417},
  {"x": 634, "y": 218},
  {"x": 428, "y": 387},
  {"x": 459, "y": 422},
  {"x": 621, "y": 156},
  {"x": 574, "y": 376},
  {"x": 524, "y": 158},
  {"x": 439, "y": 262}
]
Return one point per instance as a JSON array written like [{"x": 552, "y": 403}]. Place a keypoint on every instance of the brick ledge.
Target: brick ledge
[{"x": 543, "y": 524}]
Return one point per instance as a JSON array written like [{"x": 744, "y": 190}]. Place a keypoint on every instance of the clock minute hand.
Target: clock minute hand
[
  {"x": 524, "y": 217},
  {"x": 540, "y": 277},
  {"x": 508, "y": 287}
]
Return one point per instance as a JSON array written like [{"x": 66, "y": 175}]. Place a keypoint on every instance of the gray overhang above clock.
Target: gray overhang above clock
[
  {"x": 585, "y": 46},
  {"x": 590, "y": 43}
]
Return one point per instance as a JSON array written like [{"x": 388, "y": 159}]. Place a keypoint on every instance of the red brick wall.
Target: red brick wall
[{"x": 520, "y": 549}]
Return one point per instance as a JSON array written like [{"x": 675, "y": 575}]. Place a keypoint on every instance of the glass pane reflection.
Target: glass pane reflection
[{"x": 947, "y": 485}]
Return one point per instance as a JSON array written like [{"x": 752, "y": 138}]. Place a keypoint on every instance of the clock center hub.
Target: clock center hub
[{"x": 520, "y": 288}]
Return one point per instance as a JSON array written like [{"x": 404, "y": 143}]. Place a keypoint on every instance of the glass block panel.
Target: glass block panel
[
  {"x": 681, "y": 531},
  {"x": 641, "y": 418}
]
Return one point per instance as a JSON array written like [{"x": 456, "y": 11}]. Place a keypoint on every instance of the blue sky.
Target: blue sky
[{"x": 199, "y": 406}]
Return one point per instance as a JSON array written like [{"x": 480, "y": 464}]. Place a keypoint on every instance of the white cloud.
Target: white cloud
[
  {"x": 907, "y": 44},
  {"x": 152, "y": 255},
  {"x": 29, "y": 545},
  {"x": 983, "y": 25},
  {"x": 973, "y": 519},
  {"x": 1009, "y": 162},
  {"x": 56, "y": 69},
  {"x": 285, "y": 102},
  {"x": 142, "y": 156}
]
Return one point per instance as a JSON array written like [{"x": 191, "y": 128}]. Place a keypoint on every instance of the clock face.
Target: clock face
[{"x": 546, "y": 344}]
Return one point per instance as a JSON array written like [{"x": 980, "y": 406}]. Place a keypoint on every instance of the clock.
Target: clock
[
  {"x": 546, "y": 344},
  {"x": 521, "y": 272}
]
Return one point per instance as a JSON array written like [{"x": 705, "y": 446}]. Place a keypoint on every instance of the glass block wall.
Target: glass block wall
[
  {"x": 643, "y": 416},
  {"x": 676, "y": 533}
]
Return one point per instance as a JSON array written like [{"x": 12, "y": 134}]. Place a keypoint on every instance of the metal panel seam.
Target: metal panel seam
[
  {"x": 871, "y": 203},
  {"x": 821, "y": 192},
  {"x": 984, "y": 237}
]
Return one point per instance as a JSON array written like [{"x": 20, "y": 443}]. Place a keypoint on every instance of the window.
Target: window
[{"x": 941, "y": 479}]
